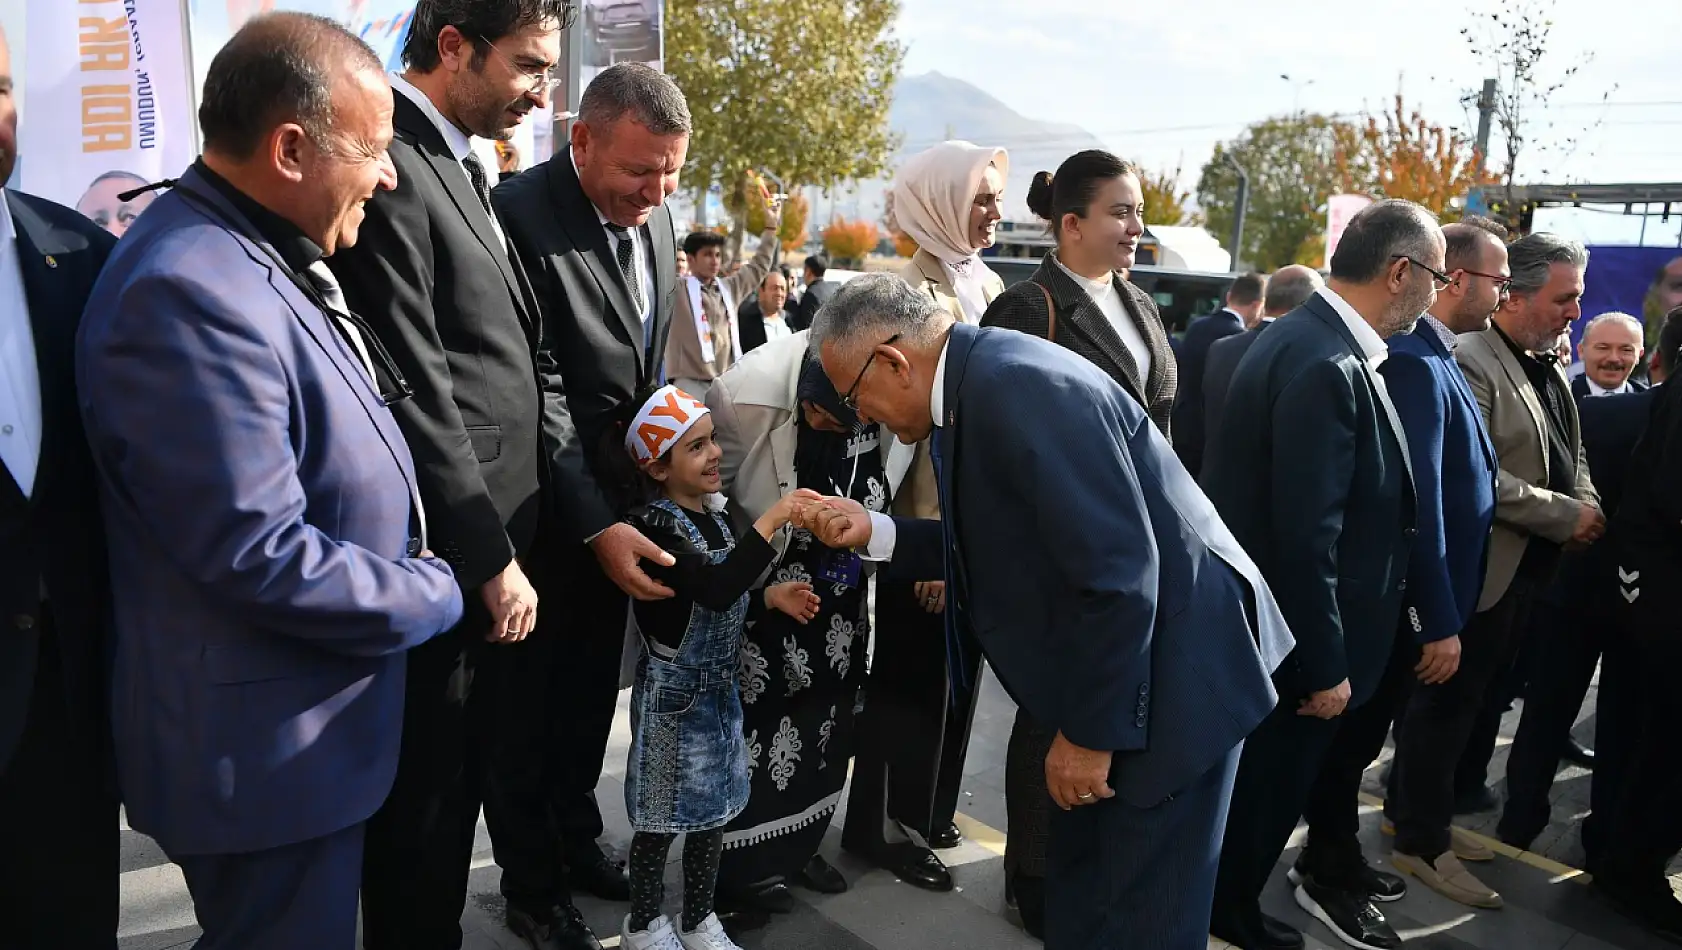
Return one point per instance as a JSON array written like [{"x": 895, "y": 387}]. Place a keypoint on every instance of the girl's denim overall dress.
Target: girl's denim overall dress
[{"x": 688, "y": 768}]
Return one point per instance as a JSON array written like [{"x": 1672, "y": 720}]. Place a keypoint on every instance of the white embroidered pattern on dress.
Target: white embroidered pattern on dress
[
  {"x": 839, "y": 644},
  {"x": 785, "y": 753},
  {"x": 877, "y": 495},
  {"x": 753, "y": 672},
  {"x": 754, "y": 748},
  {"x": 824, "y": 732},
  {"x": 797, "y": 668}
]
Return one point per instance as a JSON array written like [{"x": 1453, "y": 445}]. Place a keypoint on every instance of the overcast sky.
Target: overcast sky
[{"x": 1162, "y": 82}]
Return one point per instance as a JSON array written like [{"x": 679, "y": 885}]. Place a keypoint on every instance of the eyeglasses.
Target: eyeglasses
[
  {"x": 1502, "y": 284},
  {"x": 851, "y": 398},
  {"x": 1442, "y": 279},
  {"x": 538, "y": 78}
]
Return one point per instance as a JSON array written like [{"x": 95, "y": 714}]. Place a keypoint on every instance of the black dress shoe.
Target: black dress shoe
[
  {"x": 1361, "y": 878},
  {"x": 594, "y": 874},
  {"x": 1652, "y": 905},
  {"x": 820, "y": 876},
  {"x": 1476, "y": 802},
  {"x": 1274, "y": 935},
  {"x": 915, "y": 866},
  {"x": 771, "y": 898},
  {"x": 1350, "y": 916},
  {"x": 561, "y": 927},
  {"x": 1578, "y": 754},
  {"x": 947, "y": 837},
  {"x": 1030, "y": 902}
]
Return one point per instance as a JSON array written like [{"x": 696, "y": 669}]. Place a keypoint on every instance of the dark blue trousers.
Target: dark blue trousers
[
  {"x": 1140, "y": 878},
  {"x": 287, "y": 898}
]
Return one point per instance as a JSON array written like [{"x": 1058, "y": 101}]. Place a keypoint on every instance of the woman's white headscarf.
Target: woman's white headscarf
[{"x": 934, "y": 191}]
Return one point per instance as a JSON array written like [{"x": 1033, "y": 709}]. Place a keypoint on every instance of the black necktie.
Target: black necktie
[
  {"x": 481, "y": 182},
  {"x": 626, "y": 252}
]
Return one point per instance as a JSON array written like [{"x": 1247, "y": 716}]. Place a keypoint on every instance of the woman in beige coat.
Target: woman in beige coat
[{"x": 912, "y": 737}]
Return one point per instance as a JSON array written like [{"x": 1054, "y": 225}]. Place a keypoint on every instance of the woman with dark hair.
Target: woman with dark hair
[{"x": 1080, "y": 299}]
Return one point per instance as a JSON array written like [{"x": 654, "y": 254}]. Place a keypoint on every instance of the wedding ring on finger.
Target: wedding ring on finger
[{"x": 1085, "y": 796}]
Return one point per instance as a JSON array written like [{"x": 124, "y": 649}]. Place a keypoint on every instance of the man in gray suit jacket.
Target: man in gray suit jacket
[{"x": 1111, "y": 600}]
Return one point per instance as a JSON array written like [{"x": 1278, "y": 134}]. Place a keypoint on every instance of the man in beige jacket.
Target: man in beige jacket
[
  {"x": 705, "y": 340},
  {"x": 1544, "y": 502}
]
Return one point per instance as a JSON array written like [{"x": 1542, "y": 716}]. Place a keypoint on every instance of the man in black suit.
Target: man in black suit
[
  {"x": 592, "y": 225},
  {"x": 750, "y": 316},
  {"x": 1644, "y": 830},
  {"x": 1573, "y": 634},
  {"x": 1311, "y": 470},
  {"x": 1610, "y": 351},
  {"x": 1243, "y": 310},
  {"x": 818, "y": 292},
  {"x": 58, "y": 797},
  {"x": 1287, "y": 289},
  {"x": 433, "y": 274}
]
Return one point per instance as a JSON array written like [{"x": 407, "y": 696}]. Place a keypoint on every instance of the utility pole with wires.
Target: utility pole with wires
[{"x": 1486, "y": 118}]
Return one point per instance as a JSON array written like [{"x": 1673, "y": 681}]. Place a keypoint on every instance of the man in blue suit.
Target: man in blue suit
[
  {"x": 1108, "y": 596},
  {"x": 268, "y": 565},
  {"x": 1311, "y": 470},
  {"x": 1455, "y": 467},
  {"x": 1243, "y": 311}
]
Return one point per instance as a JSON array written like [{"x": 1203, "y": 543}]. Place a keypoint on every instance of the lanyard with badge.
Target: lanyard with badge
[{"x": 844, "y": 567}]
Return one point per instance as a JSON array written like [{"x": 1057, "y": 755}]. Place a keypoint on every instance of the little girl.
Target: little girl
[{"x": 688, "y": 769}]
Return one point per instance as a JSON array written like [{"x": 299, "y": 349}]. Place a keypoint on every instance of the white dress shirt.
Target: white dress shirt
[
  {"x": 883, "y": 531},
  {"x": 1108, "y": 299},
  {"x": 1373, "y": 348},
  {"x": 639, "y": 250},
  {"x": 461, "y": 145},
  {"x": 1596, "y": 390},
  {"x": 20, "y": 377}
]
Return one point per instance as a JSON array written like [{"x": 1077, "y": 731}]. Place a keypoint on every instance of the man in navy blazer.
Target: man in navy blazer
[
  {"x": 268, "y": 566},
  {"x": 58, "y": 796},
  {"x": 1243, "y": 311},
  {"x": 1311, "y": 470},
  {"x": 1110, "y": 599},
  {"x": 1455, "y": 467}
]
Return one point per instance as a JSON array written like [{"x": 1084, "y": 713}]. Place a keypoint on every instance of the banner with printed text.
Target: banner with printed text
[{"x": 108, "y": 104}]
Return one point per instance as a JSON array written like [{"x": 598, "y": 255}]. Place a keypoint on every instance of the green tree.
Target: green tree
[
  {"x": 1292, "y": 164},
  {"x": 1165, "y": 203},
  {"x": 797, "y": 87}
]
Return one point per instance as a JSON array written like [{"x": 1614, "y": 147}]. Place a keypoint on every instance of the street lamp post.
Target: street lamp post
[{"x": 1297, "y": 85}]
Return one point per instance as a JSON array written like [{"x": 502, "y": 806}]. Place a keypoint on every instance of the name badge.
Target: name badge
[{"x": 841, "y": 567}]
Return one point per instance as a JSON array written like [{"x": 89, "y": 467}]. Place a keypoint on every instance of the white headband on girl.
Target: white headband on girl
[{"x": 661, "y": 422}]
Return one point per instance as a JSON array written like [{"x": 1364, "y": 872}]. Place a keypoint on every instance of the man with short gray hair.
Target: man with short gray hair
[
  {"x": 595, "y": 235},
  {"x": 1091, "y": 570},
  {"x": 1611, "y": 349}
]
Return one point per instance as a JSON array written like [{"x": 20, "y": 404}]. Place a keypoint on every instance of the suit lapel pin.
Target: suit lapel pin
[{"x": 52, "y": 261}]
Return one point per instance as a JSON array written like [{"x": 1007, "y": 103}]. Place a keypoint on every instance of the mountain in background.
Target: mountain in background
[{"x": 930, "y": 108}]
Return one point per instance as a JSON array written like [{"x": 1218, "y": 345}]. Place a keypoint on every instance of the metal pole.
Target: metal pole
[
  {"x": 1486, "y": 115},
  {"x": 1240, "y": 208}
]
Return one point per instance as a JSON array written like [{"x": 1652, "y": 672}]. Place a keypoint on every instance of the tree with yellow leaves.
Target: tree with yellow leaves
[
  {"x": 1165, "y": 203},
  {"x": 1405, "y": 156}
]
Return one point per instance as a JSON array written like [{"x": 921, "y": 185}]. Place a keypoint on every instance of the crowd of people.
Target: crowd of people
[{"x": 345, "y": 492}]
